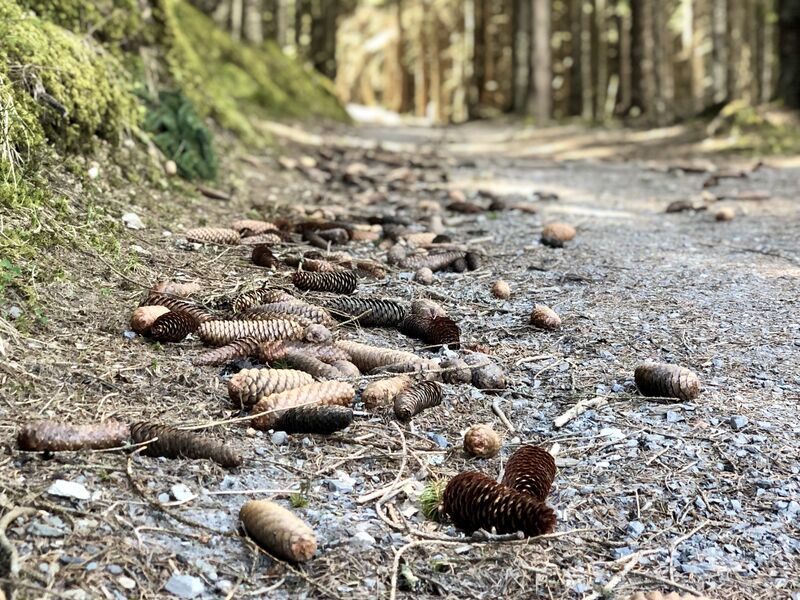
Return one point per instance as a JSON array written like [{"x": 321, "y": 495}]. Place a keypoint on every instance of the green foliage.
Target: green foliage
[
  {"x": 181, "y": 135},
  {"x": 431, "y": 500},
  {"x": 298, "y": 500}
]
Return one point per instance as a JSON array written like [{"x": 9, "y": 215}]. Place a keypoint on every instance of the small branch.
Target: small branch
[
  {"x": 501, "y": 415},
  {"x": 580, "y": 408}
]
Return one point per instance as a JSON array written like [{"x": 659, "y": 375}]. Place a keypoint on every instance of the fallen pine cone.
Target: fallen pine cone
[
  {"x": 315, "y": 314},
  {"x": 474, "y": 501},
  {"x": 257, "y": 313},
  {"x": 436, "y": 331},
  {"x": 368, "y": 312},
  {"x": 530, "y": 470},
  {"x": 473, "y": 260},
  {"x": 382, "y": 392},
  {"x": 467, "y": 208},
  {"x": 725, "y": 214},
  {"x": 322, "y": 420},
  {"x": 219, "y": 333},
  {"x": 320, "y": 393},
  {"x": 367, "y": 268},
  {"x": 367, "y": 358},
  {"x": 263, "y": 257},
  {"x": 173, "y": 326},
  {"x": 171, "y": 288},
  {"x": 545, "y": 317},
  {"x": 336, "y": 283},
  {"x": 419, "y": 239},
  {"x": 482, "y": 441},
  {"x": 655, "y": 595},
  {"x": 434, "y": 262},
  {"x": 241, "y": 348},
  {"x": 423, "y": 306},
  {"x": 459, "y": 265},
  {"x": 485, "y": 374},
  {"x": 213, "y": 235},
  {"x": 424, "y": 368},
  {"x": 278, "y": 530},
  {"x": 501, "y": 289},
  {"x": 248, "y": 386},
  {"x": 143, "y": 317},
  {"x": 415, "y": 399},
  {"x": 316, "y": 265},
  {"x": 455, "y": 371},
  {"x": 317, "y": 334},
  {"x": 667, "y": 381},
  {"x": 310, "y": 365},
  {"x": 251, "y": 227},
  {"x": 260, "y": 296},
  {"x": 555, "y": 234},
  {"x": 174, "y": 443},
  {"x": 178, "y": 304},
  {"x": 56, "y": 436},
  {"x": 424, "y": 276},
  {"x": 262, "y": 239},
  {"x": 346, "y": 369},
  {"x": 327, "y": 353},
  {"x": 335, "y": 235}
]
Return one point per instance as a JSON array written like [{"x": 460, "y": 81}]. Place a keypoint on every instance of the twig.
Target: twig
[
  {"x": 669, "y": 582},
  {"x": 581, "y": 407},
  {"x": 7, "y": 548},
  {"x": 501, "y": 415}
]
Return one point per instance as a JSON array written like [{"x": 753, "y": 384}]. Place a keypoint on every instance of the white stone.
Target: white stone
[{"x": 68, "y": 489}]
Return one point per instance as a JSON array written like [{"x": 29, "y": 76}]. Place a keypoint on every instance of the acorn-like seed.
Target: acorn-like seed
[
  {"x": 555, "y": 234},
  {"x": 501, "y": 289},
  {"x": 424, "y": 276},
  {"x": 545, "y": 317},
  {"x": 482, "y": 441}
]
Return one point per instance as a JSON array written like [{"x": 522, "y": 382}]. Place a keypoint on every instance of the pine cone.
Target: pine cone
[
  {"x": 423, "y": 306},
  {"x": 473, "y": 260},
  {"x": 260, "y": 296},
  {"x": 667, "y": 381},
  {"x": 655, "y": 595},
  {"x": 258, "y": 313},
  {"x": 278, "y": 530},
  {"x": 435, "y": 262},
  {"x": 474, "y": 501},
  {"x": 459, "y": 265},
  {"x": 178, "y": 304},
  {"x": 482, "y": 441},
  {"x": 555, "y": 234},
  {"x": 367, "y": 268},
  {"x": 545, "y": 317},
  {"x": 56, "y": 436},
  {"x": 485, "y": 374},
  {"x": 314, "y": 367},
  {"x": 251, "y": 227},
  {"x": 321, "y": 393},
  {"x": 421, "y": 367},
  {"x": 241, "y": 348},
  {"x": 174, "y": 443},
  {"x": 530, "y": 470},
  {"x": 501, "y": 289},
  {"x": 170, "y": 288},
  {"x": 262, "y": 239},
  {"x": 436, "y": 331},
  {"x": 213, "y": 235},
  {"x": 346, "y": 369},
  {"x": 327, "y": 353},
  {"x": 367, "y": 358},
  {"x": 219, "y": 333},
  {"x": 382, "y": 392},
  {"x": 414, "y": 400},
  {"x": 248, "y": 386},
  {"x": 423, "y": 238},
  {"x": 467, "y": 208},
  {"x": 336, "y": 283},
  {"x": 143, "y": 317},
  {"x": 313, "y": 313},
  {"x": 455, "y": 371},
  {"x": 262, "y": 256},
  {"x": 368, "y": 312},
  {"x": 322, "y": 420},
  {"x": 173, "y": 326}
]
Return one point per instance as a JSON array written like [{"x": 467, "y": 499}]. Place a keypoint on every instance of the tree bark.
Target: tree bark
[
  {"x": 789, "y": 52},
  {"x": 542, "y": 58},
  {"x": 522, "y": 59},
  {"x": 644, "y": 85}
]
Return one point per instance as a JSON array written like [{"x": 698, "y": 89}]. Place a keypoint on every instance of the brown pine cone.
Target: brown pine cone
[
  {"x": 459, "y": 265},
  {"x": 368, "y": 312},
  {"x": 143, "y": 317},
  {"x": 555, "y": 234},
  {"x": 263, "y": 257},
  {"x": 313, "y": 366},
  {"x": 367, "y": 268},
  {"x": 315, "y": 314},
  {"x": 436, "y": 331},
  {"x": 473, "y": 260},
  {"x": 320, "y": 393},
  {"x": 367, "y": 358},
  {"x": 173, "y": 326},
  {"x": 545, "y": 317},
  {"x": 346, "y": 369},
  {"x": 467, "y": 208},
  {"x": 278, "y": 530},
  {"x": 336, "y": 283},
  {"x": 219, "y": 333},
  {"x": 178, "y": 304},
  {"x": 474, "y": 501},
  {"x": 253, "y": 298},
  {"x": 242, "y": 348},
  {"x": 435, "y": 262},
  {"x": 327, "y": 353},
  {"x": 213, "y": 235},
  {"x": 257, "y": 313},
  {"x": 667, "y": 381},
  {"x": 531, "y": 470},
  {"x": 251, "y": 227},
  {"x": 382, "y": 392},
  {"x": 322, "y": 420},
  {"x": 56, "y": 436},
  {"x": 170, "y": 288},
  {"x": 482, "y": 441},
  {"x": 262, "y": 239},
  {"x": 174, "y": 443},
  {"x": 248, "y": 386},
  {"x": 415, "y": 399}
]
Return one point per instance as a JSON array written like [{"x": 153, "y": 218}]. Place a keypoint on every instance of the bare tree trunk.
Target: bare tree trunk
[
  {"x": 576, "y": 56},
  {"x": 421, "y": 82},
  {"x": 522, "y": 54},
  {"x": 720, "y": 50},
  {"x": 697, "y": 25},
  {"x": 624, "y": 61},
  {"x": 789, "y": 40},
  {"x": 432, "y": 26},
  {"x": 236, "y": 19},
  {"x": 253, "y": 27},
  {"x": 469, "y": 77},
  {"x": 282, "y": 22},
  {"x": 542, "y": 58},
  {"x": 601, "y": 57},
  {"x": 644, "y": 85},
  {"x": 587, "y": 85}
]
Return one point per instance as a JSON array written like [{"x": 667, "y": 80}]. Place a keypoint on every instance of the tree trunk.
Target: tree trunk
[
  {"x": 789, "y": 52},
  {"x": 253, "y": 29},
  {"x": 644, "y": 85},
  {"x": 625, "y": 67},
  {"x": 587, "y": 85},
  {"x": 601, "y": 57},
  {"x": 576, "y": 56},
  {"x": 720, "y": 50},
  {"x": 542, "y": 61},
  {"x": 522, "y": 59}
]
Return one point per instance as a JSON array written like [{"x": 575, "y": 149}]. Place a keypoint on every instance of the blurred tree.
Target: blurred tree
[{"x": 789, "y": 44}]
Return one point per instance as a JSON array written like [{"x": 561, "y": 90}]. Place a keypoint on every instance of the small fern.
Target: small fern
[{"x": 431, "y": 500}]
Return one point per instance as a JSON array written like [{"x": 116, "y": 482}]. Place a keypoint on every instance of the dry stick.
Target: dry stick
[
  {"x": 5, "y": 545},
  {"x": 669, "y": 582},
  {"x": 383, "y": 492},
  {"x": 581, "y": 407},
  {"x": 499, "y": 412},
  {"x": 396, "y": 563},
  {"x": 630, "y": 562},
  {"x": 679, "y": 541}
]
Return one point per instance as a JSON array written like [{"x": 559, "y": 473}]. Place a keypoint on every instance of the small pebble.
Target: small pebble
[
  {"x": 68, "y": 489},
  {"x": 181, "y": 492},
  {"x": 279, "y": 438},
  {"x": 501, "y": 289},
  {"x": 424, "y": 276},
  {"x": 126, "y": 582},
  {"x": 635, "y": 528},
  {"x": 114, "y": 569},
  {"x": 170, "y": 168},
  {"x": 185, "y": 586},
  {"x": 738, "y": 422}
]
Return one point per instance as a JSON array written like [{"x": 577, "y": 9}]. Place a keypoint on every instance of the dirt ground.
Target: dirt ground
[{"x": 698, "y": 497}]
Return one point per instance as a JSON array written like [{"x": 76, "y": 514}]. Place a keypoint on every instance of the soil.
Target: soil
[{"x": 700, "y": 496}]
